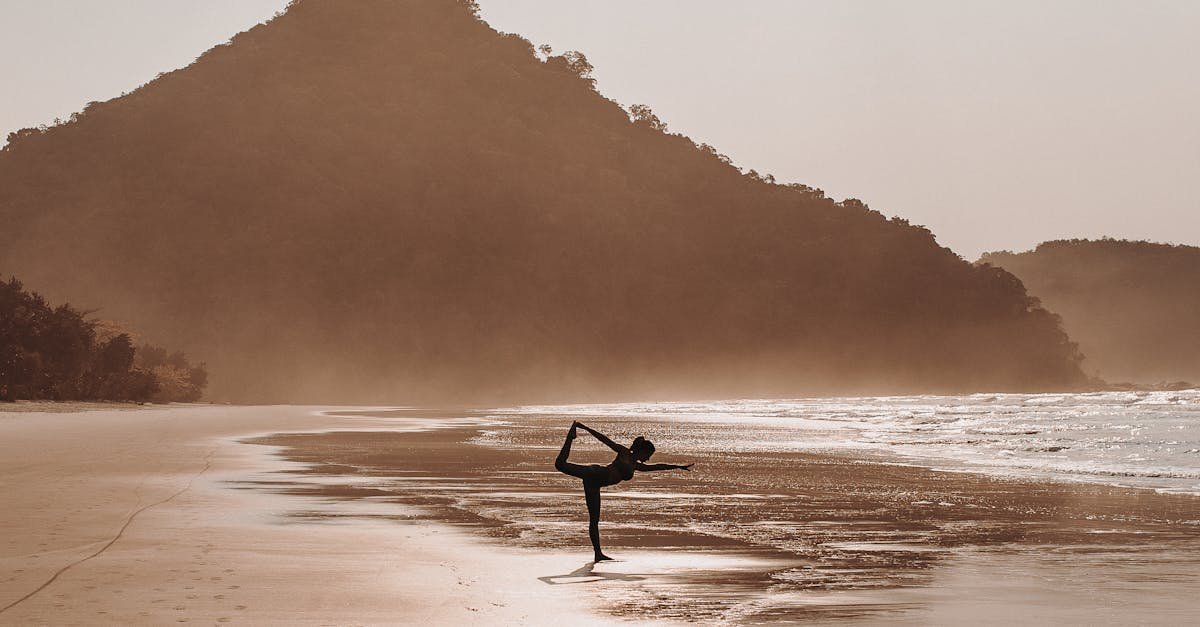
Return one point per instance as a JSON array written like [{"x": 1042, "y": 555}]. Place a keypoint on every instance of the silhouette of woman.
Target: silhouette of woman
[{"x": 595, "y": 476}]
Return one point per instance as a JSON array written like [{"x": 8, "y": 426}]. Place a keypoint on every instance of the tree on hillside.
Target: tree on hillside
[
  {"x": 178, "y": 380},
  {"x": 643, "y": 114}
]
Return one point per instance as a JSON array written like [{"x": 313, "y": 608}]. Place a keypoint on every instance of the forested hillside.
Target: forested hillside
[
  {"x": 62, "y": 354},
  {"x": 1134, "y": 307},
  {"x": 387, "y": 200}
]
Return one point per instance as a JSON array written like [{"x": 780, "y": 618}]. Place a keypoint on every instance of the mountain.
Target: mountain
[
  {"x": 385, "y": 201},
  {"x": 1133, "y": 306}
]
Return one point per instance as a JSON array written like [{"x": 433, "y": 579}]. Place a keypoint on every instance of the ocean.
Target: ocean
[{"x": 1129, "y": 439}]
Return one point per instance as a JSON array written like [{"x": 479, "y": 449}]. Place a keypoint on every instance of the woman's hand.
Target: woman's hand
[{"x": 604, "y": 438}]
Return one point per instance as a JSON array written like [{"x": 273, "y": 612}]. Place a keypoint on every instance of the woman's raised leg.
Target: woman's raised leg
[{"x": 561, "y": 464}]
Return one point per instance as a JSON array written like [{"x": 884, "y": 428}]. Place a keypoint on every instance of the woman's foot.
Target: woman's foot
[{"x": 600, "y": 557}]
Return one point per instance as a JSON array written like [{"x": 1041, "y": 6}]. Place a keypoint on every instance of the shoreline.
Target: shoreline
[
  {"x": 70, "y": 407},
  {"x": 120, "y": 517}
]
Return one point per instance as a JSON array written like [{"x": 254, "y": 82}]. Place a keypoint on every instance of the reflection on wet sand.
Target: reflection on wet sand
[
  {"x": 590, "y": 572},
  {"x": 754, "y": 536}
]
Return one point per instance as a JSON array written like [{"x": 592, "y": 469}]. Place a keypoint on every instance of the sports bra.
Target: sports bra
[{"x": 621, "y": 469}]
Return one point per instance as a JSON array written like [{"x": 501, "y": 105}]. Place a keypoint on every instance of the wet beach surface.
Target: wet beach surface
[
  {"x": 757, "y": 535},
  {"x": 117, "y": 517}
]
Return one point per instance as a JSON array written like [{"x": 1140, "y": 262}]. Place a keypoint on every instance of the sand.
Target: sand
[{"x": 130, "y": 517}]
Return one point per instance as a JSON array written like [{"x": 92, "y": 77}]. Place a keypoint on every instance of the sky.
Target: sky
[{"x": 996, "y": 124}]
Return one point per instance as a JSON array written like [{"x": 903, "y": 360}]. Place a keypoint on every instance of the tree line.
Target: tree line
[{"x": 60, "y": 353}]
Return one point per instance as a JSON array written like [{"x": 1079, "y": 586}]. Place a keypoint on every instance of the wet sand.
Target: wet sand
[
  {"x": 755, "y": 537},
  {"x": 134, "y": 517}
]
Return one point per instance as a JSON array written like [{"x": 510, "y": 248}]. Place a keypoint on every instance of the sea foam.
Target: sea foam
[{"x": 1134, "y": 439}]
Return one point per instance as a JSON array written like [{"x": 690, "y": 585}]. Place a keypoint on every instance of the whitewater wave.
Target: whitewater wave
[{"x": 1131, "y": 439}]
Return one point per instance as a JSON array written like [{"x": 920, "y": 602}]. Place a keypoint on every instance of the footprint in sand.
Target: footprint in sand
[
  {"x": 224, "y": 619},
  {"x": 218, "y": 596},
  {"x": 239, "y": 607}
]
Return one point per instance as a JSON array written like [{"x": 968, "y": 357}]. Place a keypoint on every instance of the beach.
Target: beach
[{"x": 313, "y": 515}]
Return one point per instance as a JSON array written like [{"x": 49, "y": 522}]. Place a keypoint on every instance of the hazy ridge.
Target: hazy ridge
[{"x": 1131, "y": 305}]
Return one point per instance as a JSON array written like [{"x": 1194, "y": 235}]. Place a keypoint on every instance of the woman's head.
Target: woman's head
[{"x": 642, "y": 449}]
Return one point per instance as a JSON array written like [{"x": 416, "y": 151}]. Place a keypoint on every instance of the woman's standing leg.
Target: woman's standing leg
[{"x": 591, "y": 491}]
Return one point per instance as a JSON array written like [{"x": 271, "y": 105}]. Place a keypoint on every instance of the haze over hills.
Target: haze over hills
[
  {"x": 390, "y": 201},
  {"x": 1132, "y": 306}
]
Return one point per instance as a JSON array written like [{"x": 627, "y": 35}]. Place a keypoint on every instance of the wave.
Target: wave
[{"x": 1149, "y": 439}]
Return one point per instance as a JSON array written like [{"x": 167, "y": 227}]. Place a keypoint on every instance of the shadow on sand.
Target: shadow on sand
[{"x": 588, "y": 574}]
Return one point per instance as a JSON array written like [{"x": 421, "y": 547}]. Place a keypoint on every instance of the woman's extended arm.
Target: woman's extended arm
[
  {"x": 603, "y": 438},
  {"x": 652, "y": 467}
]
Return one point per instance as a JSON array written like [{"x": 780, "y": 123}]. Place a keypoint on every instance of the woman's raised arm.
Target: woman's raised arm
[{"x": 603, "y": 438}]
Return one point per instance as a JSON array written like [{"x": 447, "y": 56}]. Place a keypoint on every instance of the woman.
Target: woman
[{"x": 596, "y": 476}]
